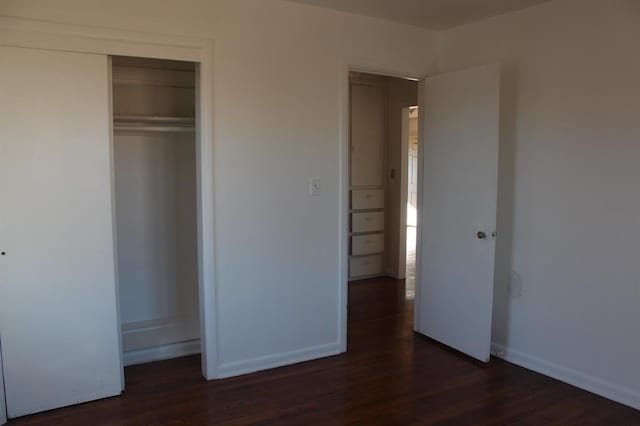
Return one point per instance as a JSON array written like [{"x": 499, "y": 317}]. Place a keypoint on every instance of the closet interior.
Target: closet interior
[{"x": 154, "y": 157}]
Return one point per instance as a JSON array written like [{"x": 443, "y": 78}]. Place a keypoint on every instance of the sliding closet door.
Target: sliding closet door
[{"x": 58, "y": 319}]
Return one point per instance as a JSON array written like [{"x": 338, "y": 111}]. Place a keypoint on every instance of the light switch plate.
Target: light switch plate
[{"x": 314, "y": 186}]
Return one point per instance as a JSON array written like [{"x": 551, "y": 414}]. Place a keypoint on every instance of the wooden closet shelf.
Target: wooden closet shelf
[
  {"x": 174, "y": 129},
  {"x": 153, "y": 123}
]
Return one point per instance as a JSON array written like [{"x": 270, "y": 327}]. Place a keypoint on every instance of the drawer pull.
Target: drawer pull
[
  {"x": 368, "y": 196},
  {"x": 368, "y": 219},
  {"x": 366, "y": 262},
  {"x": 368, "y": 241}
]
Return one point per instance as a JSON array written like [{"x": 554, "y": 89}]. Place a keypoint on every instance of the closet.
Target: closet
[
  {"x": 99, "y": 220},
  {"x": 154, "y": 158}
]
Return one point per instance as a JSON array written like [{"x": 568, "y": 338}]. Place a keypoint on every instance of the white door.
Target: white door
[
  {"x": 58, "y": 320},
  {"x": 459, "y": 169}
]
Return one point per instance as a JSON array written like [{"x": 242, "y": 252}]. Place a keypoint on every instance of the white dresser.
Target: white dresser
[{"x": 367, "y": 233}]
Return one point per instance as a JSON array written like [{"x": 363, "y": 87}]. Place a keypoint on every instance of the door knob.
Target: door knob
[{"x": 481, "y": 235}]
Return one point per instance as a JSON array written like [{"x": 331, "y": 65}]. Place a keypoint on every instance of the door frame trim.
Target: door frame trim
[
  {"x": 343, "y": 249},
  {"x": 417, "y": 304},
  {"x": 27, "y": 33}
]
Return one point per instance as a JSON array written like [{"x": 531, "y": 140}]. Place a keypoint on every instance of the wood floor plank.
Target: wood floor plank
[{"x": 389, "y": 376}]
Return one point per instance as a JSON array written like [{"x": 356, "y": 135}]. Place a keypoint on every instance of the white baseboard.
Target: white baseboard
[
  {"x": 589, "y": 383},
  {"x": 159, "y": 353},
  {"x": 237, "y": 368},
  {"x": 158, "y": 332}
]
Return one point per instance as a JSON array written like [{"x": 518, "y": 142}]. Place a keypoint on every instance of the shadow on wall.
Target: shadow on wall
[{"x": 507, "y": 283}]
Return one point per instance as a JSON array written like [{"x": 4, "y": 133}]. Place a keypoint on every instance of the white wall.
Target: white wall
[
  {"x": 570, "y": 205},
  {"x": 278, "y": 96}
]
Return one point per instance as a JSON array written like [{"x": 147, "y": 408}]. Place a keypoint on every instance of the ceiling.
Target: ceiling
[{"x": 432, "y": 14}]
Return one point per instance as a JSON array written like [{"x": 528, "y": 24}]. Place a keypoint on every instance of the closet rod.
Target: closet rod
[{"x": 151, "y": 83}]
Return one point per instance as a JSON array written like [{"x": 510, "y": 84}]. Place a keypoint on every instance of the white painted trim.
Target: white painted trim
[
  {"x": 278, "y": 360},
  {"x": 35, "y": 34},
  {"x": 158, "y": 332},
  {"x": 384, "y": 72},
  {"x": 208, "y": 297},
  {"x": 573, "y": 377},
  {"x": 343, "y": 205},
  {"x": 114, "y": 229},
  {"x": 343, "y": 250},
  {"x": 160, "y": 353}
]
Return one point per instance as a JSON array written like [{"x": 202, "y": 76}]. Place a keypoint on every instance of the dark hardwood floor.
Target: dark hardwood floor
[{"x": 389, "y": 376}]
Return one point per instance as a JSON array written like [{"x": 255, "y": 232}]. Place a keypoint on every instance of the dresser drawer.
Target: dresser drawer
[
  {"x": 362, "y": 199},
  {"x": 367, "y": 244},
  {"x": 366, "y": 265},
  {"x": 367, "y": 222}
]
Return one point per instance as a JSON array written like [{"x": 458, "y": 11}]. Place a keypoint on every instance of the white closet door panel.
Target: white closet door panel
[
  {"x": 58, "y": 318},
  {"x": 367, "y": 135}
]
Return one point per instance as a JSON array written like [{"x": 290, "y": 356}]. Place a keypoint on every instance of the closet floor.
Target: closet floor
[{"x": 389, "y": 376}]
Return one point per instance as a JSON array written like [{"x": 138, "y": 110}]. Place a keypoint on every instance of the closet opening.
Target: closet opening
[{"x": 155, "y": 198}]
